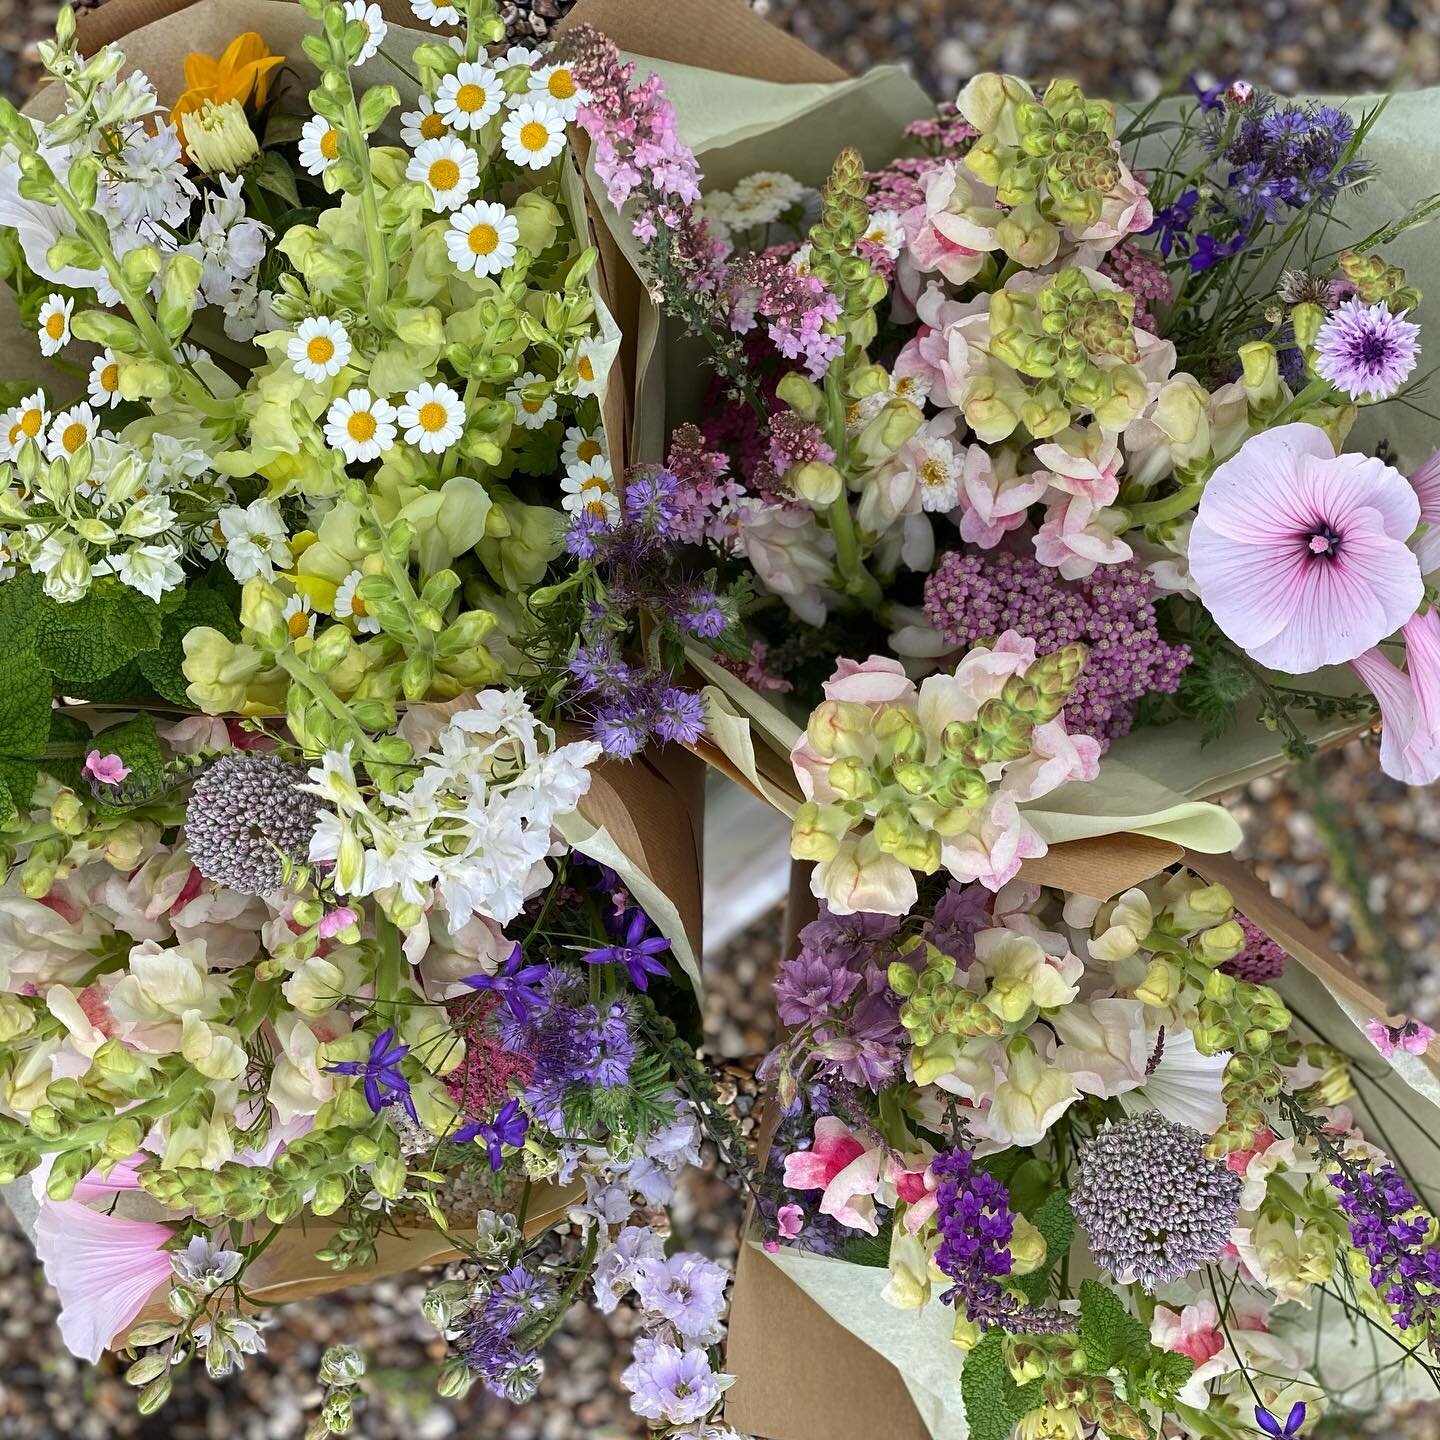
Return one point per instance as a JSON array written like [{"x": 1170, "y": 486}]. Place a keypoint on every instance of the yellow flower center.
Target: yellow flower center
[
  {"x": 484, "y": 239},
  {"x": 357, "y": 607},
  {"x": 30, "y": 423},
  {"x": 361, "y": 426},
  {"x": 934, "y": 472},
  {"x": 534, "y": 136},
  {"x": 905, "y": 385},
  {"x": 432, "y": 127},
  {"x": 433, "y": 417},
  {"x": 110, "y": 379},
  {"x": 299, "y": 624},
  {"x": 55, "y": 325},
  {"x": 320, "y": 350},
  {"x": 587, "y": 450},
  {"x": 329, "y": 144},
  {"x": 74, "y": 436},
  {"x": 444, "y": 175},
  {"x": 470, "y": 98},
  {"x": 585, "y": 368},
  {"x": 596, "y": 509},
  {"x": 530, "y": 407},
  {"x": 561, "y": 85}
]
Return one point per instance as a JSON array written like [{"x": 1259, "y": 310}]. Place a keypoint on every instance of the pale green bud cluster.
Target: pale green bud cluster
[
  {"x": 933, "y": 1005},
  {"x": 844, "y": 220}
]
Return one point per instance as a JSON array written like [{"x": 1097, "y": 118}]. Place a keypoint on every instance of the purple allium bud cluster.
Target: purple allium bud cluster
[
  {"x": 971, "y": 597},
  {"x": 1155, "y": 1206},
  {"x": 1389, "y": 1227}
]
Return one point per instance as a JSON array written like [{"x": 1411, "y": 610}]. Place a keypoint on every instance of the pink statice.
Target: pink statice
[
  {"x": 1300, "y": 554},
  {"x": 795, "y": 308},
  {"x": 1409, "y": 701},
  {"x": 1136, "y": 270},
  {"x": 1413, "y": 1037}
]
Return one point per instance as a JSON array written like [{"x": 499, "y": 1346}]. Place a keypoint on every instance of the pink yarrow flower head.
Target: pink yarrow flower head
[
  {"x": 1365, "y": 351},
  {"x": 1411, "y": 1036},
  {"x": 1300, "y": 554},
  {"x": 104, "y": 769}
]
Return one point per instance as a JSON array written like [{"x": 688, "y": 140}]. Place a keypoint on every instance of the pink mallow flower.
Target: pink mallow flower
[
  {"x": 104, "y": 769},
  {"x": 1411, "y": 1036},
  {"x": 1300, "y": 554},
  {"x": 104, "y": 1269},
  {"x": 1409, "y": 701},
  {"x": 838, "y": 1163},
  {"x": 1426, "y": 484}
]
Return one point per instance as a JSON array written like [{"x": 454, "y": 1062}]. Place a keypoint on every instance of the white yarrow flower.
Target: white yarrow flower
[
  {"x": 426, "y": 123},
  {"x": 319, "y": 145},
  {"x": 533, "y": 134},
  {"x": 256, "y": 540},
  {"x": 765, "y": 196},
  {"x": 469, "y": 97},
  {"x": 531, "y": 413},
  {"x": 449, "y": 168},
  {"x": 373, "y": 21},
  {"x": 55, "y": 324},
  {"x": 433, "y": 417},
  {"x": 320, "y": 348},
  {"x": 482, "y": 238},
  {"x": 104, "y": 383},
  {"x": 360, "y": 426}
]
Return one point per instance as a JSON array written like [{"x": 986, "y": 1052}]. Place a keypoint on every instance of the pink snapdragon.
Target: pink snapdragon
[
  {"x": 841, "y": 1165},
  {"x": 947, "y": 232},
  {"x": 1413, "y": 1037},
  {"x": 995, "y": 499},
  {"x": 1300, "y": 554},
  {"x": 1078, "y": 536}
]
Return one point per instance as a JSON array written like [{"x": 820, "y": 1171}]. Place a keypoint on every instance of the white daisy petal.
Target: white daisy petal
[
  {"x": 558, "y": 87},
  {"x": 361, "y": 427},
  {"x": 319, "y": 145},
  {"x": 533, "y": 134},
  {"x": 21, "y": 424},
  {"x": 374, "y": 22},
  {"x": 422, "y": 124},
  {"x": 482, "y": 238},
  {"x": 433, "y": 418},
  {"x": 469, "y": 97},
  {"x": 448, "y": 168},
  {"x": 349, "y": 605},
  {"x": 55, "y": 324},
  {"x": 104, "y": 383},
  {"x": 69, "y": 430},
  {"x": 532, "y": 413},
  {"x": 319, "y": 349}
]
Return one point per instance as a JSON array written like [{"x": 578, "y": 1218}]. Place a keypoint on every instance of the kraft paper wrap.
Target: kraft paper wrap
[
  {"x": 819, "y": 1353},
  {"x": 643, "y": 819},
  {"x": 750, "y": 98}
]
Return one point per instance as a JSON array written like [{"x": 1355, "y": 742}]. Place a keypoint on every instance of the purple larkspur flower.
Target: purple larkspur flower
[
  {"x": 1366, "y": 352},
  {"x": 635, "y": 950},
  {"x": 515, "y": 983},
  {"x": 509, "y": 1127},
  {"x": 1285, "y": 1430},
  {"x": 384, "y": 1084},
  {"x": 619, "y": 1267},
  {"x": 669, "y": 1385}
]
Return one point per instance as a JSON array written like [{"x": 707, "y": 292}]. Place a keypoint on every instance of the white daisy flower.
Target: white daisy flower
[
  {"x": 299, "y": 618},
  {"x": 55, "y": 324},
  {"x": 939, "y": 472},
  {"x": 104, "y": 381},
  {"x": 449, "y": 168},
  {"x": 482, "y": 238},
  {"x": 767, "y": 195},
  {"x": 533, "y": 134},
  {"x": 516, "y": 55},
  {"x": 591, "y": 364},
  {"x": 319, "y": 145},
  {"x": 530, "y": 413},
  {"x": 373, "y": 21},
  {"x": 433, "y": 417},
  {"x": 435, "y": 14},
  {"x": 470, "y": 96},
  {"x": 350, "y": 606},
  {"x": 320, "y": 348},
  {"x": 70, "y": 430},
  {"x": 418, "y": 126},
  {"x": 886, "y": 233},
  {"x": 800, "y": 260},
  {"x": 558, "y": 87},
  {"x": 581, "y": 447},
  {"x": 255, "y": 538},
  {"x": 22, "y": 423},
  {"x": 590, "y": 490},
  {"x": 360, "y": 427}
]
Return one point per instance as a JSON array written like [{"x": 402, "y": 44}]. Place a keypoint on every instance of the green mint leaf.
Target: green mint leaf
[
  {"x": 136, "y": 743},
  {"x": 97, "y": 635},
  {"x": 163, "y": 666},
  {"x": 21, "y": 599},
  {"x": 988, "y": 1391},
  {"x": 1055, "y": 1220},
  {"x": 1110, "y": 1335}
]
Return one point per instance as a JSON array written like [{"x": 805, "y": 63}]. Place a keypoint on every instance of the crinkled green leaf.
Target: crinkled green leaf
[
  {"x": 162, "y": 667},
  {"x": 1110, "y": 1335},
  {"x": 989, "y": 1393},
  {"x": 136, "y": 743},
  {"x": 21, "y": 600},
  {"x": 1055, "y": 1220},
  {"x": 96, "y": 635}
]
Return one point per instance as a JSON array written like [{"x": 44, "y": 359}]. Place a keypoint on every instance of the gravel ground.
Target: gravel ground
[{"x": 1119, "y": 47}]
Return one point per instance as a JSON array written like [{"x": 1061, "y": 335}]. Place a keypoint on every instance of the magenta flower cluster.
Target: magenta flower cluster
[
  {"x": 970, "y": 597},
  {"x": 794, "y": 306}
]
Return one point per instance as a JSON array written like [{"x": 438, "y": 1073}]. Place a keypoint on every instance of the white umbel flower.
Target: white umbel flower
[
  {"x": 448, "y": 168},
  {"x": 433, "y": 417},
  {"x": 104, "y": 383},
  {"x": 425, "y": 123},
  {"x": 469, "y": 97},
  {"x": 558, "y": 87},
  {"x": 320, "y": 348},
  {"x": 256, "y": 540},
  {"x": 70, "y": 430},
  {"x": 531, "y": 413},
  {"x": 766, "y": 196},
  {"x": 319, "y": 145},
  {"x": 533, "y": 134},
  {"x": 482, "y": 238},
  {"x": 360, "y": 426},
  {"x": 349, "y": 605},
  {"x": 590, "y": 489},
  {"x": 436, "y": 15},
  {"x": 21, "y": 424},
  {"x": 373, "y": 21},
  {"x": 55, "y": 324}
]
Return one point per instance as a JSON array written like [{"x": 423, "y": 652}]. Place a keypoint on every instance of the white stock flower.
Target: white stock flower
[{"x": 256, "y": 540}]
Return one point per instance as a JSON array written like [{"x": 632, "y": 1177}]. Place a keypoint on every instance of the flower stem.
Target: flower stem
[
  {"x": 319, "y": 691},
  {"x": 1168, "y": 507},
  {"x": 855, "y": 580}
]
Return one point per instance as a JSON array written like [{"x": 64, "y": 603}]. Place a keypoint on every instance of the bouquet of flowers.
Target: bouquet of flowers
[
  {"x": 319, "y": 901},
  {"x": 1010, "y": 398}
]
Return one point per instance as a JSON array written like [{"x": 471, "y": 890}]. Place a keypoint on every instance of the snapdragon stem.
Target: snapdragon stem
[
  {"x": 96, "y": 1132},
  {"x": 319, "y": 691},
  {"x": 389, "y": 968},
  {"x": 856, "y": 580},
  {"x": 359, "y": 145},
  {"x": 1169, "y": 507}
]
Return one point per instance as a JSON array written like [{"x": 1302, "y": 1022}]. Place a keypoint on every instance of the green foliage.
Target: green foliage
[
  {"x": 90, "y": 638},
  {"x": 994, "y": 1404},
  {"x": 24, "y": 730},
  {"x": 872, "y": 1251},
  {"x": 1212, "y": 691},
  {"x": 1113, "y": 1339},
  {"x": 136, "y": 743},
  {"x": 162, "y": 666},
  {"x": 1055, "y": 1220}
]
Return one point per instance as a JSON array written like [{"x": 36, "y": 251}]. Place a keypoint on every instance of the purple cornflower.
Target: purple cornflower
[
  {"x": 679, "y": 715},
  {"x": 384, "y": 1084},
  {"x": 636, "y": 951},
  {"x": 1272, "y": 1426},
  {"x": 1366, "y": 352},
  {"x": 509, "y": 1127},
  {"x": 515, "y": 983},
  {"x": 671, "y": 1386},
  {"x": 1389, "y": 1227}
]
